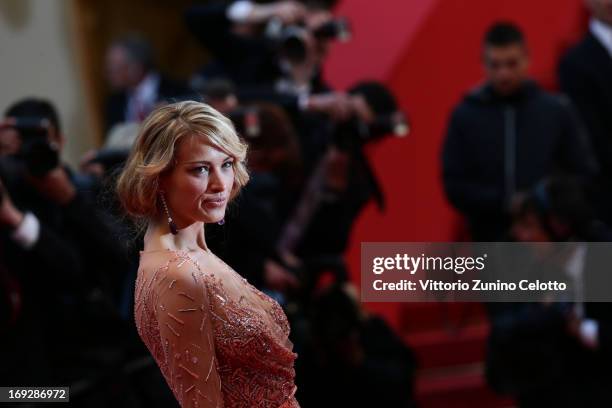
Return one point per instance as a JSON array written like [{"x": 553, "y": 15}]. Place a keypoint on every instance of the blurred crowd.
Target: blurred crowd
[
  {"x": 69, "y": 255},
  {"x": 525, "y": 165}
]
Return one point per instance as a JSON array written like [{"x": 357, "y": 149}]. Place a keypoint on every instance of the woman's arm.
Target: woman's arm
[{"x": 183, "y": 314}]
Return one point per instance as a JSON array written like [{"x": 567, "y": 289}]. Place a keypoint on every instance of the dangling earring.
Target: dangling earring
[{"x": 171, "y": 223}]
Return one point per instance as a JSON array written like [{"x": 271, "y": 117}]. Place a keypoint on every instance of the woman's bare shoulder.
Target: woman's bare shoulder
[{"x": 171, "y": 264}]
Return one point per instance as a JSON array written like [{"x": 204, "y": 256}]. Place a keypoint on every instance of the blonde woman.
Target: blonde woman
[{"x": 218, "y": 341}]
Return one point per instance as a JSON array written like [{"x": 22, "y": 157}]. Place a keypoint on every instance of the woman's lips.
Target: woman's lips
[{"x": 214, "y": 203}]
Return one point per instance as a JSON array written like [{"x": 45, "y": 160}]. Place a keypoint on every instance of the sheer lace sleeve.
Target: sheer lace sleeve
[{"x": 182, "y": 311}]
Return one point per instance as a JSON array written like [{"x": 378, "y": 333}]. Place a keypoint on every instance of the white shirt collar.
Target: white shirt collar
[
  {"x": 575, "y": 264},
  {"x": 603, "y": 33},
  {"x": 147, "y": 88},
  {"x": 574, "y": 269},
  {"x": 143, "y": 97}
]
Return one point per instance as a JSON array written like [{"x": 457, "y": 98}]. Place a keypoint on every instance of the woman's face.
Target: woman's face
[{"x": 199, "y": 186}]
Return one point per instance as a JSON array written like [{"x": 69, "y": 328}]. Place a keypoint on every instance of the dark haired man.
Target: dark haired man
[
  {"x": 506, "y": 135},
  {"x": 585, "y": 75},
  {"x": 136, "y": 84}
]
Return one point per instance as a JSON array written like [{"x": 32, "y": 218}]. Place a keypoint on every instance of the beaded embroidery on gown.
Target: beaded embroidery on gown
[{"x": 218, "y": 340}]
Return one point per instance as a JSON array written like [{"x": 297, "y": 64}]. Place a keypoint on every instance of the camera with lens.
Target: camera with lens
[
  {"x": 356, "y": 132},
  {"x": 291, "y": 39},
  {"x": 39, "y": 154}
]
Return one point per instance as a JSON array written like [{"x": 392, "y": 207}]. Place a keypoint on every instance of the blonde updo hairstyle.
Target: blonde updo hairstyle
[{"x": 154, "y": 152}]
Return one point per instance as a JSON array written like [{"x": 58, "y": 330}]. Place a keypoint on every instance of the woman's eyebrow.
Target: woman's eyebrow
[
  {"x": 197, "y": 162},
  {"x": 205, "y": 161}
]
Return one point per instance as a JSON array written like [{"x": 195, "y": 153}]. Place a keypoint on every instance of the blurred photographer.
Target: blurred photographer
[
  {"x": 280, "y": 44},
  {"x": 556, "y": 353},
  {"x": 342, "y": 181},
  {"x": 39, "y": 267},
  {"x": 313, "y": 236},
  {"x": 46, "y": 266},
  {"x": 57, "y": 242}
]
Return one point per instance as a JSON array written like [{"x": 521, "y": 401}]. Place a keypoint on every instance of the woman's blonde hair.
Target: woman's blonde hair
[{"x": 155, "y": 147}]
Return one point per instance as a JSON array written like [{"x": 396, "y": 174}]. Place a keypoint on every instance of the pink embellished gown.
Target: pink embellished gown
[{"x": 218, "y": 341}]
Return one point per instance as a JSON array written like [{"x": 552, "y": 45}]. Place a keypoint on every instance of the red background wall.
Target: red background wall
[{"x": 428, "y": 52}]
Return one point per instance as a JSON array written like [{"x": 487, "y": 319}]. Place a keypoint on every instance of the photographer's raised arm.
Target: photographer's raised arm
[
  {"x": 246, "y": 56},
  {"x": 338, "y": 105},
  {"x": 36, "y": 244},
  {"x": 245, "y": 11},
  {"x": 83, "y": 227},
  {"x": 55, "y": 185},
  {"x": 210, "y": 24}
]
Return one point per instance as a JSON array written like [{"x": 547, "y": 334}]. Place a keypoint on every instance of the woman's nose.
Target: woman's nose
[{"x": 215, "y": 182}]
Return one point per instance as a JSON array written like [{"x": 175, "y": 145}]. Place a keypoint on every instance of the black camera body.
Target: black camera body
[
  {"x": 38, "y": 153},
  {"x": 291, "y": 41},
  {"x": 337, "y": 29},
  {"x": 355, "y": 132}
]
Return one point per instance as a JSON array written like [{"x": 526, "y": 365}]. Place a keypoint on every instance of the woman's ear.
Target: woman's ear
[{"x": 162, "y": 183}]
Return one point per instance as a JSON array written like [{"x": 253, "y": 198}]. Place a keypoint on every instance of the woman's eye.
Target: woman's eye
[
  {"x": 228, "y": 164},
  {"x": 201, "y": 169}
]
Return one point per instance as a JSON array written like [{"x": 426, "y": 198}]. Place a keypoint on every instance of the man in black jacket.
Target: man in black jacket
[
  {"x": 61, "y": 249},
  {"x": 585, "y": 75},
  {"x": 505, "y": 136}
]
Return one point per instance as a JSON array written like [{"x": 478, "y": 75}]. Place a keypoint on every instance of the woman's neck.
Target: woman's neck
[{"x": 190, "y": 238}]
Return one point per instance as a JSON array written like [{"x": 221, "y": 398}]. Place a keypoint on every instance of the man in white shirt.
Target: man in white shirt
[{"x": 136, "y": 84}]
